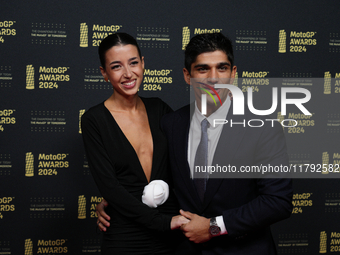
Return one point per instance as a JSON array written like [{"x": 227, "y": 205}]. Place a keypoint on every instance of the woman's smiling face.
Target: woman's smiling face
[{"x": 124, "y": 68}]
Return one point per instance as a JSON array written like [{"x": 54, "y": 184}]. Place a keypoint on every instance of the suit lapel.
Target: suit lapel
[{"x": 181, "y": 129}]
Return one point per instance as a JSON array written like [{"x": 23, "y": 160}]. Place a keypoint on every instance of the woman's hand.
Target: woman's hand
[
  {"x": 103, "y": 218},
  {"x": 178, "y": 221}
]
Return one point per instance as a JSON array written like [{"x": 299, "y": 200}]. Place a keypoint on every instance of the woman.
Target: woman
[{"x": 126, "y": 151}]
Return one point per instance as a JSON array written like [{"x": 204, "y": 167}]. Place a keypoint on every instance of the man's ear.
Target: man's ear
[
  {"x": 233, "y": 75},
  {"x": 233, "y": 71},
  {"x": 104, "y": 74},
  {"x": 186, "y": 75}
]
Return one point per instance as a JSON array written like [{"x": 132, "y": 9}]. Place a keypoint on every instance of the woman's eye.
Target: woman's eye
[
  {"x": 115, "y": 67},
  {"x": 134, "y": 63}
]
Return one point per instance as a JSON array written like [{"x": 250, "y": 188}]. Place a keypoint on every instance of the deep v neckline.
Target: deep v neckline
[{"x": 130, "y": 145}]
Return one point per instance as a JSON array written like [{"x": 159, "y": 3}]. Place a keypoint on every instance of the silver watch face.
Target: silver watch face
[{"x": 214, "y": 230}]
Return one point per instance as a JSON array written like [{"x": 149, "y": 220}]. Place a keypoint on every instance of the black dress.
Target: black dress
[{"x": 135, "y": 228}]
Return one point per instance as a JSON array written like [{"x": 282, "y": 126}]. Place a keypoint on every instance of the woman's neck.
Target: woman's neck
[{"x": 117, "y": 102}]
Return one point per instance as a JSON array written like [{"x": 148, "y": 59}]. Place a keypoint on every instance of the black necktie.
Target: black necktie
[{"x": 201, "y": 161}]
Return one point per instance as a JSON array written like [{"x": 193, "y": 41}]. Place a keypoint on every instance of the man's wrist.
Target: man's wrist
[{"x": 214, "y": 229}]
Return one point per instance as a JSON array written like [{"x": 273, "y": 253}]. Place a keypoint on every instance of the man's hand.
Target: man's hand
[
  {"x": 178, "y": 221},
  {"x": 197, "y": 230},
  {"x": 103, "y": 218}
]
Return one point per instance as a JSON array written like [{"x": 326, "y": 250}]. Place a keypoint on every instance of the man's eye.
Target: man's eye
[
  {"x": 223, "y": 68},
  {"x": 202, "y": 69}
]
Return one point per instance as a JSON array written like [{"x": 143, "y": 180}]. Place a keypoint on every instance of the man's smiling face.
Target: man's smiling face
[{"x": 210, "y": 68}]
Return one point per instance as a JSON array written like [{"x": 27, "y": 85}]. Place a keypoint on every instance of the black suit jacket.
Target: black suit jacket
[{"x": 248, "y": 206}]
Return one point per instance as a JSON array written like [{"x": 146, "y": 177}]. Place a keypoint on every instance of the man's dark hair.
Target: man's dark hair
[
  {"x": 114, "y": 40},
  {"x": 207, "y": 43}
]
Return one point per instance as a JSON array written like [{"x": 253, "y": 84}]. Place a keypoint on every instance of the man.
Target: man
[{"x": 227, "y": 216}]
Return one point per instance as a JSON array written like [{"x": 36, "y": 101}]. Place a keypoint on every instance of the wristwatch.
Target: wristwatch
[{"x": 214, "y": 229}]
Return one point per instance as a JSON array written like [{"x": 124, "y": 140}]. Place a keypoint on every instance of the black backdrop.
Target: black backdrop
[{"x": 49, "y": 76}]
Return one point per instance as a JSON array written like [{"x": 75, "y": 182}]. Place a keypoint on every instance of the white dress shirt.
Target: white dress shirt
[{"x": 214, "y": 134}]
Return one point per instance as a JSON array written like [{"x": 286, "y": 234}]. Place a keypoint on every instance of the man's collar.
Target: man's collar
[{"x": 220, "y": 113}]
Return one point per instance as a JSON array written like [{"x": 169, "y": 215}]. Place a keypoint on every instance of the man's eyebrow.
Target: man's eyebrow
[
  {"x": 201, "y": 65},
  {"x": 224, "y": 64},
  {"x": 206, "y": 65}
]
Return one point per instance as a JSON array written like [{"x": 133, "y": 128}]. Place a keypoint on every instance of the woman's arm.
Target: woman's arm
[
  {"x": 104, "y": 218},
  {"x": 104, "y": 174}
]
